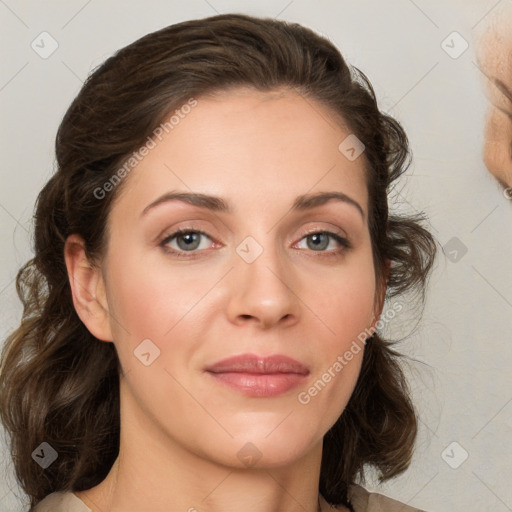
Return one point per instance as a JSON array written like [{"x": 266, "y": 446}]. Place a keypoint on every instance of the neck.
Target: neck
[{"x": 155, "y": 472}]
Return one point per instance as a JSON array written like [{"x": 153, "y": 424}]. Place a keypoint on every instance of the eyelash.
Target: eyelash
[{"x": 345, "y": 244}]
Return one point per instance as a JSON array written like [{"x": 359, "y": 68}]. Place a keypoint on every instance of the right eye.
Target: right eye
[{"x": 187, "y": 241}]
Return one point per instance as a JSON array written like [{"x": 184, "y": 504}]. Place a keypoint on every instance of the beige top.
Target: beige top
[{"x": 361, "y": 499}]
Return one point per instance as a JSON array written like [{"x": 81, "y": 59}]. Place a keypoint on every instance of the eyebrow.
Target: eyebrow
[{"x": 217, "y": 204}]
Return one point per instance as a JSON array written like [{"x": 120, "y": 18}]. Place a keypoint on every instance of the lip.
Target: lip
[{"x": 259, "y": 376}]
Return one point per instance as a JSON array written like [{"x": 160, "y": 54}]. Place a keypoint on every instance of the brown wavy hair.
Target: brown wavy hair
[{"x": 59, "y": 384}]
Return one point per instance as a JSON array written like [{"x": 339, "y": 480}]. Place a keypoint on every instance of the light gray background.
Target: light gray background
[{"x": 463, "y": 382}]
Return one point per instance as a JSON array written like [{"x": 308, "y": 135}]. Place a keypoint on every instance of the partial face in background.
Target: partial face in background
[
  {"x": 252, "y": 274},
  {"x": 495, "y": 58}
]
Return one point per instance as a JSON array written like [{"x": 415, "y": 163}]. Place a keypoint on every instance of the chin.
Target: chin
[{"x": 267, "y": 449}]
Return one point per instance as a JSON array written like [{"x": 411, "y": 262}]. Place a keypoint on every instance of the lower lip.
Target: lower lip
[{"x": 260, "y": 385}]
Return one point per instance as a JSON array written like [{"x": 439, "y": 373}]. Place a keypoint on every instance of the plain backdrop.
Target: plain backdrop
[{"x": 425, "y": 77}]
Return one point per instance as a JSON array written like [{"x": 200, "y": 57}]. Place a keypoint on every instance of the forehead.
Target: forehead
[{"x": 261, "y": 147}]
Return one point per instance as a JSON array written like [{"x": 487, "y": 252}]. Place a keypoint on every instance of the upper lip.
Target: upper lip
[{"x": 252, "y": 363}]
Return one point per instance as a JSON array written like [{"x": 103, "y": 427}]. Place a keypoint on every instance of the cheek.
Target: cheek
[
  {"x": 149, "y": 298},
  {"x": 350, "y": 317},
  {"x": 347, "y": 308},
  {"x": 498, "y": 145},
  {"x": 346, "y": 301}
]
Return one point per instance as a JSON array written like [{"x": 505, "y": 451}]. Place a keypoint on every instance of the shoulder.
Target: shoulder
[
  {"x": 61, "y": 502},
  {"x": 364, "y": 501},
  {"x": 361, "y": 499}
]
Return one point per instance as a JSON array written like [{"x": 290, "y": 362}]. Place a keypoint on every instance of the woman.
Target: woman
[
  {"x": 187, "y": 342},
  {"x": 495, "y": 61}
]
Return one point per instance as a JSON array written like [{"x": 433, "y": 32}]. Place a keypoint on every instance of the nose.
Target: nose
[{"x": 263, "y": 292}]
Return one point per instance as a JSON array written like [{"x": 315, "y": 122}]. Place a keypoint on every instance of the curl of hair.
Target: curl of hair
[{"x": 59, "y": 384}]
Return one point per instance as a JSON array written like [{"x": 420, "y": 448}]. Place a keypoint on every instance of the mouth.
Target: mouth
[{"x": 259, "y": 376}]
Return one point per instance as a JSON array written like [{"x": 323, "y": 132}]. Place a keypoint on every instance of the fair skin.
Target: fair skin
[
  {"x": 181, "y": 429},
  {"x": 495, "y": 60}
]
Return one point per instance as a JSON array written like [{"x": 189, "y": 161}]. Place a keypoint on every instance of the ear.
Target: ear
[
  {"x": 87, "y": 288},
  {"x": 381, "y": 295}
]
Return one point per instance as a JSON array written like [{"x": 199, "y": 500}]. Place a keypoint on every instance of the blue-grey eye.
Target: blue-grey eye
[
  {"x": 187, "y": 241},
  {"x": 317, "y": 243}
]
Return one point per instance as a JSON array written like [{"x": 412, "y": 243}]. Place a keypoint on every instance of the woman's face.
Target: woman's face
[
  {"x": 495, "y": 58},
  {"x": 258, "y": 281}
]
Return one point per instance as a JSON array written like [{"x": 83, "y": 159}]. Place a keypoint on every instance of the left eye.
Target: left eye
[{"x": 320, "y": 240}]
